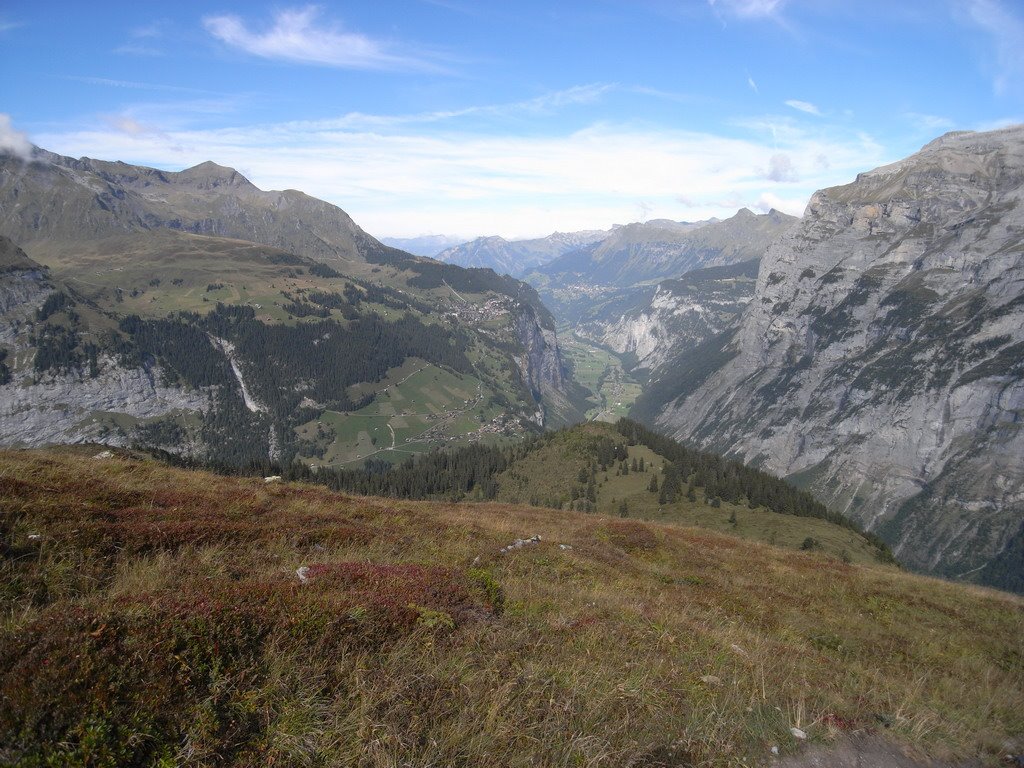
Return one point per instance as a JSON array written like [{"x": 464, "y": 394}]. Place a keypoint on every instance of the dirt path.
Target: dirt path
[{"x": 863, "y": 751}]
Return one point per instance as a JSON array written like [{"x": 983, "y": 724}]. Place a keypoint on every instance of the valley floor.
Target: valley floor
[{"x": 613, "y": 390}]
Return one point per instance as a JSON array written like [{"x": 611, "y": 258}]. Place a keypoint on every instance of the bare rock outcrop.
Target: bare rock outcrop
[{"x": 881, "y": 361}]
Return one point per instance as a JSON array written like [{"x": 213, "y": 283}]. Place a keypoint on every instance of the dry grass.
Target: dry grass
[{"x": 157, "y": 617}]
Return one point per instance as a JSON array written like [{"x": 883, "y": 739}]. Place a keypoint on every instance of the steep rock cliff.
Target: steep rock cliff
[
  {"x": 678, "y": 316},
  {"x": 542, "y": 367},
  {"x": 881, "y": 361}
]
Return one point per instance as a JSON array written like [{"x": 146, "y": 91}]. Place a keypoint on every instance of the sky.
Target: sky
[{"x": 468, "y": 118}]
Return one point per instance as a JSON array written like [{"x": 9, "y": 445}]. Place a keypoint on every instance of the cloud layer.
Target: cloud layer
[{"x": 405, "y": 175}]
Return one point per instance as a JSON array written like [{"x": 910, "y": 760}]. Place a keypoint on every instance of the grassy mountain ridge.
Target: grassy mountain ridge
[
  {"x": 153, "y": 616},
  {"x": 157, "y": 259}
]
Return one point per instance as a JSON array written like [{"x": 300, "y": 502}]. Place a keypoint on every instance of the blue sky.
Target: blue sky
[{"x": 469, "y": 118}]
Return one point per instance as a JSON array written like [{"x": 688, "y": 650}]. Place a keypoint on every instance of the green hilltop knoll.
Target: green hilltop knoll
[
  {"x": 153, "y": 616},
  {"x": 625, "y": 470}
]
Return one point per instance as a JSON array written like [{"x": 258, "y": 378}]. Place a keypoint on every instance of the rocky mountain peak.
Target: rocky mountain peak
[
  {"x": 210, "y": 175},
  {"x": 13, "y": 258}
]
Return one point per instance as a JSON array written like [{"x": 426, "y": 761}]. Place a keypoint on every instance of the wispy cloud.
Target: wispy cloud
[
  {"x": 1006, "y": 30},
  {"x": 135, "y": 49},
  {"x": 301, "y": 36},
  {"x": 751, "y": 84},
  {"x": 803, "y": 106},
  {"x": 13, "y": 141},
  {"x": 544, "y": 103},
  {"x": 145, "y": 40},
  {"x": 132, "y": 84},
  {"x": 928, "y": 123},
  {"x": 6, "y": 25},
  {"x": 749, "y": 9}
]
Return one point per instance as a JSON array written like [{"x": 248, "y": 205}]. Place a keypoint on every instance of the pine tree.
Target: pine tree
[
  {"x": 623, "y": 509},
  {"x": 653, "y": 485}
]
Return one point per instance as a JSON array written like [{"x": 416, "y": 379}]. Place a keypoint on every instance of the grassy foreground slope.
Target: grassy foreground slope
[{"x": 154, "y": 616}]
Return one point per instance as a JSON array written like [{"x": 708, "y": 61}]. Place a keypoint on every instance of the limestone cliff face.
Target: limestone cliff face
[
  {"x": 881, "y": 361},
  {"x": 21, "y": 291},
  {"x": 541, "y": 366},
  {"x": 680, "y": 315},
  {"x": 39, "y": 409},
  {"x": 68, "y": 408}
]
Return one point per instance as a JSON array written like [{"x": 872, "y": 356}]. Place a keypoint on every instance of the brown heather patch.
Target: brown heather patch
[
  {"x": 632, "y": 536},
  {"x": 159, "y": 621}
]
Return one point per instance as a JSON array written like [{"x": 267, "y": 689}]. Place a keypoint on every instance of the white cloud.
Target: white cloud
[
  {"x": 297, "y": 35},
  {"x": 130, "y": 126},
  {"x": 803, "y": 106},
  {"x": 13, "y": 141},
  {"x": 792, "y": 206},
  {"x": 998, "y": 124},
  {"x": 752, "y": 84},
  {"x": 1006, "y": 30},
  {"x": 780, "y": 168},
  {"x": 749, "y": 9},
  {"x": 405, "y": 178}
]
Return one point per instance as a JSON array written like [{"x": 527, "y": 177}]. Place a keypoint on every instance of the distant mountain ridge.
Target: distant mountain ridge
[
  {"x": 651, "y": 291},
  {"x": 425, "y": 245},
  {"x": 660, "y": 249},
  {"x": 517, "y": 257}
]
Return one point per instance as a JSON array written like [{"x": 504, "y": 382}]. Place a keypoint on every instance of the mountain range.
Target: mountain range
[
  {"x": 517, "y": 257},
  {"x": 870, "y": 352},
  {"x": 195, "y": 312},
  {"x": 425, "y": 245}
]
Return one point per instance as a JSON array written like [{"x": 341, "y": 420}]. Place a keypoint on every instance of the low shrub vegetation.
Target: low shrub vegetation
[{"x": 157, "y": 616}]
